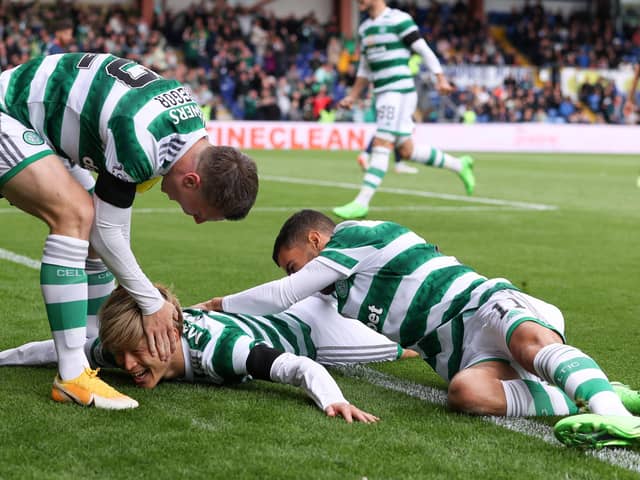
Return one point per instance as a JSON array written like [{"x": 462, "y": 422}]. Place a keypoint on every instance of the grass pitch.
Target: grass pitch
[{"x": 562, "y": 227}]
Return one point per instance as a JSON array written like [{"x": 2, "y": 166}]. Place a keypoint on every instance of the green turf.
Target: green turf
[{"x": 581, "y": 256}]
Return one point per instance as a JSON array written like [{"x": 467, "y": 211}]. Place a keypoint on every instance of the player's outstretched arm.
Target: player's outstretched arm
[
  {"x": 349, "y": 413},
  {"x": 277, "y": 295},
  {"x": 267, "y": 363},
  {"x": 110, "y": 239}
]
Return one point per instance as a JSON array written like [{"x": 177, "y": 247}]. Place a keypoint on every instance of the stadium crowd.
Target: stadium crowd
[{"x": 245, "y": 63}]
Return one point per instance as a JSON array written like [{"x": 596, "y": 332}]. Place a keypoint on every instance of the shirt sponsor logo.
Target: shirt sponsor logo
[
  {"x": 373, "y": 319},
  {"x": 32, "y": 138}
]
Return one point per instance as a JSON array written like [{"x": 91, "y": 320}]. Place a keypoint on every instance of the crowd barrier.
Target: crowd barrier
[{"x": 494, "y": 137}]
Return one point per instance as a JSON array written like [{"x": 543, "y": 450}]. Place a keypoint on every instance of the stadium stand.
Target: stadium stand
[{"x": 247, "y": 64}]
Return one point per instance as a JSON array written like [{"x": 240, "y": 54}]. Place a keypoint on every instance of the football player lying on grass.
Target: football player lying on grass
[
  {"x": 494, "y": 344},
  {"x": 221, "y": 348}
]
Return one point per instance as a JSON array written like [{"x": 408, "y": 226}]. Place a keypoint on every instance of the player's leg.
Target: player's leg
[
  {"x": 30, "y": 354},
  {"x": 400, "y": 165},
  {"x": 100, "y": 280},
  {"x": 388, "y": 121},
  {"x": 34, "y": 180},
  {"x": 100, "y": 283},
  {"x": 533, "y": 332},
  {"x": 429, "y": 155},
  {"x": 495, "y": 388}
]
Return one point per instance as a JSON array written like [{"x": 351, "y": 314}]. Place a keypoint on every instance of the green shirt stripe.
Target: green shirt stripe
[
  {"x": 90, "y": 143},
  {"x": 16, "y": 98},
  {"x": 59, "y": 87}
]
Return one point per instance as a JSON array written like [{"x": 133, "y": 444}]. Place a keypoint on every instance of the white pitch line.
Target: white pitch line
[
  {"x": 20, "y": 259},
  {"x": 416, "y": 193},
  {"x": 618, "y": 457}
]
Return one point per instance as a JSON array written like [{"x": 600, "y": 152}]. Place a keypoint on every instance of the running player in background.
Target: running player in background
[
  {"x": 134, "y": 128},
  {"x": 491, "y": 342},
  {"x": 387, "y": 39}
]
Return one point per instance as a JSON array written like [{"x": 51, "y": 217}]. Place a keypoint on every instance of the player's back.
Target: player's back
[
  {"x": 399, "y": 284},
  {"x": 219, "y": 343},
  {"x": 387, "y": 55},
  {"x": 103, "y": 112}
]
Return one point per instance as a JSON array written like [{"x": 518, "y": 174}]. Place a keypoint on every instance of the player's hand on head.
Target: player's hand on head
[
  {"x": 349, "y": 413},
  {"x": 214, "y": 304},
  {"x": 158, "y": 329}
]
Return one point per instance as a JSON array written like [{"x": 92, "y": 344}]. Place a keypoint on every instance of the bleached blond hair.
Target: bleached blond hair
[{"x": 121, "y": 320}]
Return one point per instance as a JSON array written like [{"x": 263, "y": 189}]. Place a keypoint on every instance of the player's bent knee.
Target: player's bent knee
[
  {"x": 73, "y": 216},
  {"x": 473, "y": 394}
]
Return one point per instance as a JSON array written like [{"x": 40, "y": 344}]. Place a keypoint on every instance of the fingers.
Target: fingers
[
  {"x": 163, "y": 345},
  {"x": 350, "y": 413},
  {"x": 151, "y": 342}
]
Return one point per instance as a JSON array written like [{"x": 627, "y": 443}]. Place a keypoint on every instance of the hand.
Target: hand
[
  {"x": 214, "y": 304},
  {"x": 349, "y": 413},
  {"x": 346, "y": 102},
  {"x": 442, "y": 84},
  {"x": 629, "y": 108},
  {"x": 158, "y": 328}
]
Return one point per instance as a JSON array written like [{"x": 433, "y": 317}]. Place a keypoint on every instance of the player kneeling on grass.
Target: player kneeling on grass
[{"x": 502, "y": 351}]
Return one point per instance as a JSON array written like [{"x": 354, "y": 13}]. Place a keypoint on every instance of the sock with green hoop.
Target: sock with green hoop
[
  {"x": 580, "y": 377},
  {"x": 528, "y": 398},
  {"x": 101, "y": 283},
  {"x": 378, "y": 166},
  {"x": 64, "y": 288}
]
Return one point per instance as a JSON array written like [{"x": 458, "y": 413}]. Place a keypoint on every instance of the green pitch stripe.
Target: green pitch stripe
[
  {"x": 541, "y": 399},
  {"x": 67, "y": 315},
  {"x": 566, "y": 369},
  {"x": 58, "y": 275}
]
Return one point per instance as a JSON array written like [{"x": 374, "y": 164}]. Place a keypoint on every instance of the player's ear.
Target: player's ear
[
  {"x": 191, "y": 180},
  {"x": 314, "y": 239}
]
